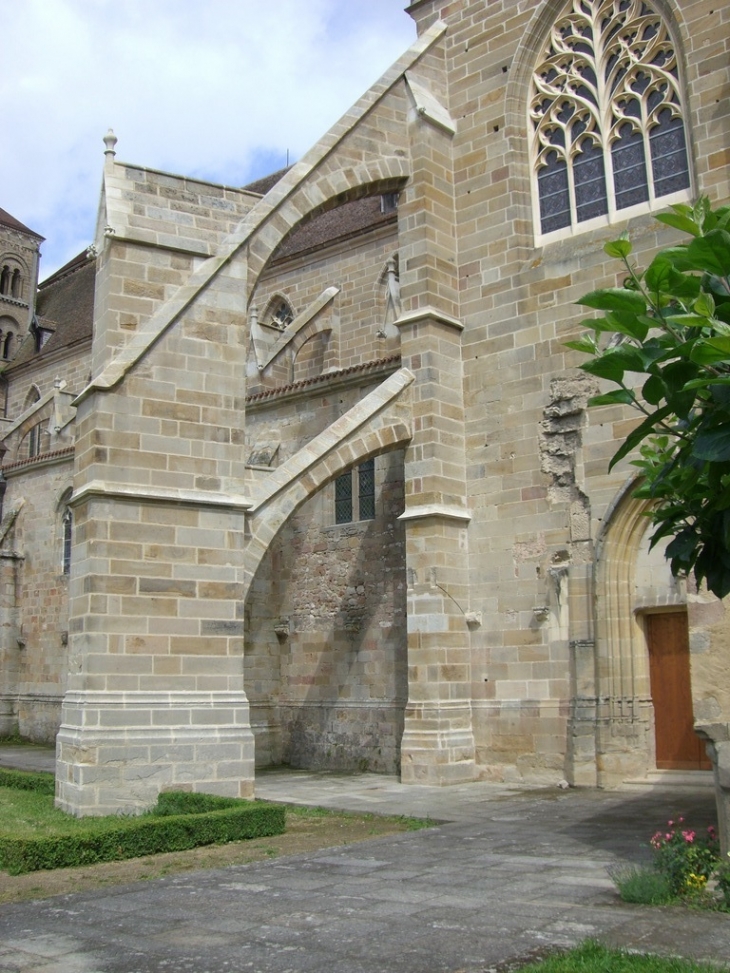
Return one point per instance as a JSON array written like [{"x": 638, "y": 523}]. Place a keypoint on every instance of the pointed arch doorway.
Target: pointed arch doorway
[{"x": 678, "y": 747}]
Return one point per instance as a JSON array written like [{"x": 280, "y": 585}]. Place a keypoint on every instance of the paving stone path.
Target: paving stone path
[{"x": 512, "y": 871}]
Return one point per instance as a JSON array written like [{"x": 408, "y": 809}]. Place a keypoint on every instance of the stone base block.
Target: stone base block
[
  {"x": 438, "y": 745},
  {"x": 115, "y": 752},
  {"x": 8, "y": 714},
  {"x": 717, "y": 736}
]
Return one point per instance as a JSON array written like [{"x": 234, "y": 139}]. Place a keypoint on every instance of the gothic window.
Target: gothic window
[
  {"x": 355, "y": 490},
  {"x": 366, "y": 489},
  {"x": 33, "y": 395},
  {"x": 34, "y": 441},
  {"x": 343, "y": 498},
  {"x": 67, "y": 522},
  {"x": 279, "y": 314},
  {"x": 606, "y": 116}
]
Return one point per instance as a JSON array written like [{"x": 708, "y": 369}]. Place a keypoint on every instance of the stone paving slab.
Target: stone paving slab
[{"x": 513, "y": 871}]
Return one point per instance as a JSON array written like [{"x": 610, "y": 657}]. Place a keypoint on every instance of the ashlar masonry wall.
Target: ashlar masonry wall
[
  {"x": 156, "y": 676},
  {"x": 35, "y": 601},
  {"x": 538, "y": 487},
  {"x": 350, "y": 329}
]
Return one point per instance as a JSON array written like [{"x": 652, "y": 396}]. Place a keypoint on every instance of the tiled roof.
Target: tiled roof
[
  {"x": 7, "y": 220},
  {"x": 350, "y": 218},
  {"x": 68, "y": 268},
  {"x": 327, "y": 378},
  {"x": 344, "y": 221},
  {"x": 264, "y": 184},
  {"x": 64, "y": 305}
]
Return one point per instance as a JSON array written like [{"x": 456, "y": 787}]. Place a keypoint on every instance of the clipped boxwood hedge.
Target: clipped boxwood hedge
[
  {"x": 23, "y": 780},
  {"x": 178, "y": 822}
]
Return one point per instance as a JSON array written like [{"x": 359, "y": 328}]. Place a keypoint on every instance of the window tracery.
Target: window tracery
[
  {"x": 279, "y": 313},
  {"x": 606, "y": 115}
]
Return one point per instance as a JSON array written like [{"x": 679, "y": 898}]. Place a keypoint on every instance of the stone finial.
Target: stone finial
[{"x": 110, "y": 141}]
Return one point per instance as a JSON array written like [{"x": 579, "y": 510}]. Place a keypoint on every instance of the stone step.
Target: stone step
[{"x": 693, "y": 779}]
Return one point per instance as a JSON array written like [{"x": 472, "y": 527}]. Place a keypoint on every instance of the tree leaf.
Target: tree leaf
[
  {"x": 687, "y": 320},
  {"x": 617, "y": 397},
  {"x": 654, "y": 390},
  {"x": 628, "y": 323},
  {"x": 679, "y": 221},
  {"x": 711, "y": 351},
  {"x": 659, "y": 274},
  {"x": 721, "y": 393},
  {"x": 704, "y": 305},
  {"x": 677, "y": 373},
  {"x": 711, "y": 253},
  {"x": 607, "y": 366},
  {"x": 713, "y": 445},
  {"x": 644, "y": 429},
  {"x": 615, "y": 299},
  {"x": 618, "y": 248},
  {"x": 707, "y": 381},
  {"x": 586, "y": 344}
]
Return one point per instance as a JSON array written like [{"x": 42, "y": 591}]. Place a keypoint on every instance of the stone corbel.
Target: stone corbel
[{"x": 429, "y": 108}]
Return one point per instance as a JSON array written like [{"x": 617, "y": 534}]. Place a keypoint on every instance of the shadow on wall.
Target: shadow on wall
[{"x": 325, "y": 663}]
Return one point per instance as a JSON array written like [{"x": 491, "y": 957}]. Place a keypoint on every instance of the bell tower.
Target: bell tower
[{"x": 19, "y": 259}]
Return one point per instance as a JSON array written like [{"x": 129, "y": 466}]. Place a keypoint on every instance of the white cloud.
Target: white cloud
[{"x": 220, "y": 90}]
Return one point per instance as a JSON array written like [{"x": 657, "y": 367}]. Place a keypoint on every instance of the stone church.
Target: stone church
[{"x": 302, "y": 473}]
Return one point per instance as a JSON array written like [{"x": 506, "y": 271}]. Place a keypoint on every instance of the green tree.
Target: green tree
[{"x": 664, "y": 340}]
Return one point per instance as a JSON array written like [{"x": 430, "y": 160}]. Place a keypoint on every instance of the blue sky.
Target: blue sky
[{"x": 219, "y": 89}]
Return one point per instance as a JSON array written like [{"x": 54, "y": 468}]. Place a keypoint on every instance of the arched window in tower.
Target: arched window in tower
[
  {"x": 15, "y": 284},
  {"x": 8, "y": 328},
  {"x": 5, "y": 280},
  {"x": 606, "y": 116}
]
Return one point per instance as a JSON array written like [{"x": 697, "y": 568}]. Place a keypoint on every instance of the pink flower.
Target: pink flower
[{"x": 689, "y": 836}]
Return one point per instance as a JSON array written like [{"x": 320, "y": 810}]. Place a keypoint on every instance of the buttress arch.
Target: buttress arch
[{"x": 377, "y": 424}]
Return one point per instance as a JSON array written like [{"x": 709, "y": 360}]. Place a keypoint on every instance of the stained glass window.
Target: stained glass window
[
  {"x": 343, "y": 498},
  {"x": 606, "y": 114},
  {"x": 366, "y": 489},
  {"x": 364, "y": 493}
]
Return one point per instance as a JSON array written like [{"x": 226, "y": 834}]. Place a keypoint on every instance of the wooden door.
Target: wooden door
[{"x": 677, "y": 745}]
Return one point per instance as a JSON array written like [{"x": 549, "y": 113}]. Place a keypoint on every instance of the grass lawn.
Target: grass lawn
[
  {"x": 28, "y": 813},
  {"x": 591, "y": 957}
]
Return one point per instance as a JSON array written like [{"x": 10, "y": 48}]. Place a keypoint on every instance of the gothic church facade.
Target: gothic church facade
[{"x": 303, "y": 473}]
